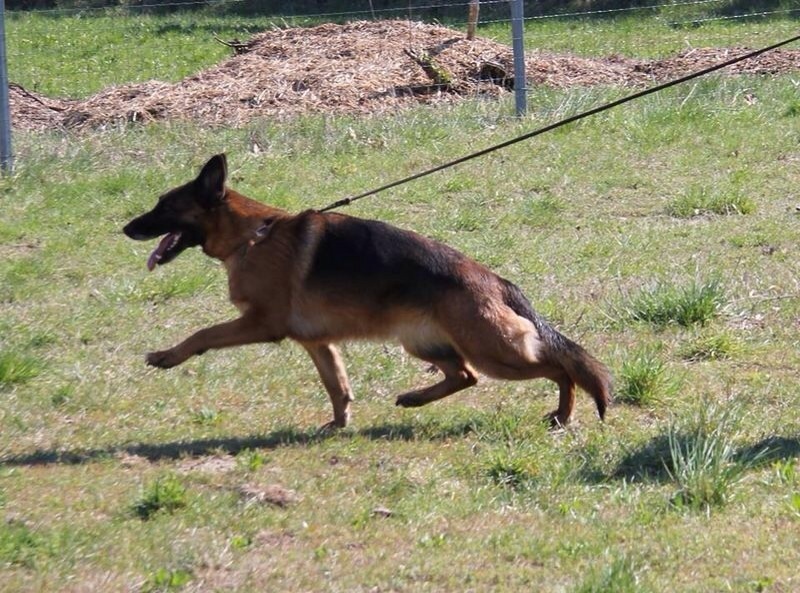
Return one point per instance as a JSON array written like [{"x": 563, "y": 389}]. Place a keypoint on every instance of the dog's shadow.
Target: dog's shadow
[
  {"x": 647, "y": 462},
  {"x": 283, "y": 437}
]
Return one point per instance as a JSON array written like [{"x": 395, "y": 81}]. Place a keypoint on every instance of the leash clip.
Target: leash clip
[{"x": 261, "y": 232}]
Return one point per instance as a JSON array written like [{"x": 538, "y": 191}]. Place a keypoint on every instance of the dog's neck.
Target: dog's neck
[{"x": 237, "y": 222}]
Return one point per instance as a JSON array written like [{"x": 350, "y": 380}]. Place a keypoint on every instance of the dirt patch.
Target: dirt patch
[
  {"x": 271, "y": 494},
  {"x": 214, "y": 464},
  {"x": 358, "y": 68},
  {"x": 274, "y": 539}
]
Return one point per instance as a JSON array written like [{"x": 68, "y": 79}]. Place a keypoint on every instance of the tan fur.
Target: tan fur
[{"x": 472, "y": 322}]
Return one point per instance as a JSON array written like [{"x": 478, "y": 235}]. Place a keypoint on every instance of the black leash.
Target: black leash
[{"x": 558, "y": 124}]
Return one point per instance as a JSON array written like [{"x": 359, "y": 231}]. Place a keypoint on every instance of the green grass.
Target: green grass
[
  {"x": 620, "y": 576},
  {"x": 92, "y": 50},
  {"x": 18, "y": 544},
  {"x": 711, "y": 346},
  {"x": 702, "y": 458},
  {"x": 663, "y": 304},
  {"x": 643, "y": 379},
  {"x": 645, "y": 36},
  {"x": 471, "y": 493},
  {"x": 165, "y": 494},
  {"x": 168, "y": 580},
  {"x": 16, "y": 367},
  {"x": 251, "y": 460},
  {"x": 702, "y": 200}
]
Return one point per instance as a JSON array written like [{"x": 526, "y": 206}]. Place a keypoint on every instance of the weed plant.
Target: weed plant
[
  {"x": 167, "y": 580},
  {"x": 711, "y": 346},
  {"x": 703, "y": 459},
  {"x": 643, "y": 378},
  {"x": 620, "y": 576},
  {"x": 663, "y": 304},
  {"x": 16, "y": 367},
  {"x": 19, "y": 545},
  {"x": 165, "y": 494},
  {"x": 698, "y": 201}
]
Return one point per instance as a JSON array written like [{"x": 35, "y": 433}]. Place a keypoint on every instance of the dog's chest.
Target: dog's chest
[{"x": 236, "y": 293}]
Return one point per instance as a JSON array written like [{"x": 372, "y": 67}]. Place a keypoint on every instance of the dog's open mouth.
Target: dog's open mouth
[{"x": 166, "y": 250}]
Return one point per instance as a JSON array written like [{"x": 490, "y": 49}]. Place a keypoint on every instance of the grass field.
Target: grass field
[{"x": 662, "y": 235}]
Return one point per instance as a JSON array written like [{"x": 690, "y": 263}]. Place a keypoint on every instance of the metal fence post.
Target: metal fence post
[
  {"x": 6, "y": 158},
  {"x": 517, "y": 31}
]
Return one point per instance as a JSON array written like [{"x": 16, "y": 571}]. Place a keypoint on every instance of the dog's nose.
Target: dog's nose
[{"x": 130, "y": 231}]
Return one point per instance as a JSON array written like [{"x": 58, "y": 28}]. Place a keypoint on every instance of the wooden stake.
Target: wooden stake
[{"x": 472, "y": 19}]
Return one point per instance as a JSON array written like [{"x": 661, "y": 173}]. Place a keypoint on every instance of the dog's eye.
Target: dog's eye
[{"x": 167, "y": 206}]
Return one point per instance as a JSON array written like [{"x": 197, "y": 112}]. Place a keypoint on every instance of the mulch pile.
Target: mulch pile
[{"x": 360, "y": 67}]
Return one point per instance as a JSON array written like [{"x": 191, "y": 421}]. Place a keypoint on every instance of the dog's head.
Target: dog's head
[{"x": 180, "y": 216}]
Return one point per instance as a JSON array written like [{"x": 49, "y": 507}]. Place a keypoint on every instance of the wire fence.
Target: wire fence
[
  {"x": 74, "y": 48},
  {"x": 709, "y": 9},
  {"x": 64, "y": 33},
  {"x": 683, "y": 11}
]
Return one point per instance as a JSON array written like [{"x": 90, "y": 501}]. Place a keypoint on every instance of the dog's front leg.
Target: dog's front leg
[
  {"x": 244, "y": 330},
  {"x": 331, "y": 369}
]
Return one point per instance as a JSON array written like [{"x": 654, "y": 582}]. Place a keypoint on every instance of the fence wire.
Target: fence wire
[{"x": 58, "y": 35}]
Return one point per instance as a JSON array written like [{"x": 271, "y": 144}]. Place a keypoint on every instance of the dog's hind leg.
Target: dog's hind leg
[
  {"x": 331, "y": 370},
  {"x": 566, "y": 402},
  {"x": 457, "y": 376}
]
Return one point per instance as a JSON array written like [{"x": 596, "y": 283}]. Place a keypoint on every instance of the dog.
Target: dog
[{"x": 323, "y": 278}]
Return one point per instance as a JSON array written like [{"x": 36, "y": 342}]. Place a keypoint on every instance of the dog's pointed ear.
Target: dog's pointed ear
[{"x": 211, "y": 181}]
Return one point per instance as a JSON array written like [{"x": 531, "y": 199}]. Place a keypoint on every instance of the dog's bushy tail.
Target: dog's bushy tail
[{"x": 585, "y": 370}]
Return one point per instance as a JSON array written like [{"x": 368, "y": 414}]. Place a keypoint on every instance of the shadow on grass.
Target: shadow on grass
[
  {"x": 171, "y": 450},
  {"x": 650, "y": 461},
  {"x": 284, "y": 437}
]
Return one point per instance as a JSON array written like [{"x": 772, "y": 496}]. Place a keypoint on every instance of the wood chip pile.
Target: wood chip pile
[{"x": 357, "y": 68}]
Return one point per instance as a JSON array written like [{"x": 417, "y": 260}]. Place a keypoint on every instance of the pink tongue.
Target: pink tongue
[{"x": 158, "y": 252}]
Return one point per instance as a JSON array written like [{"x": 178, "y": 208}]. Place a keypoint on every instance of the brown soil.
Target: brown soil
[
  {"x": 274, "y": 494},
  {"x": 361, "y": 67}
]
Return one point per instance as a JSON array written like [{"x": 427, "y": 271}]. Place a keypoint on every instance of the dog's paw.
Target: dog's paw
[
  {"x": 164, "y": 359},
  {"x": 331, "y": 427},
  {"x": 556, "y": 421}
]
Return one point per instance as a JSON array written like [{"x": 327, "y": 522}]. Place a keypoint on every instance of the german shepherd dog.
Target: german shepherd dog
[{"x": 321, "y": 278}]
